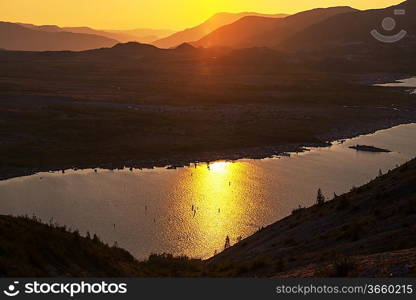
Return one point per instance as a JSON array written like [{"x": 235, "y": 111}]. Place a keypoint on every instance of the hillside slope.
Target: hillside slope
[
  {"x": 213, "y": 23},
  {"x": 376, "y": 218},
  {"x": 354, "y": 28},
  {"x": 29, "y": 248},
  {"x": 257, "y": 31}
]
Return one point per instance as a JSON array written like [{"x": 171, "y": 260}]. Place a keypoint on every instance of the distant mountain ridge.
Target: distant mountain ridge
[
  {"x": 213, "y": 23},
  {"x": 354, "y": 29},
  {"x": 322, "y": 29},
  {"x": 143, "y": 35},
  {"x": 18, "y": 37},
  {"x": 122, "y": 36},
  {"x": 257, "y": 31}
]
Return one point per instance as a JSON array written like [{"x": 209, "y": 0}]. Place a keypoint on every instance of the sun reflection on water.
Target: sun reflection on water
[
  {"x": 219, "y": 167},
  {"x": 190, "y": 211},
  {"x": 218, "y": 205}
]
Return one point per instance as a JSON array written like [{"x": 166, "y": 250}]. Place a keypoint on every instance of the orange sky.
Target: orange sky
[{"x": 170, "y": 14}]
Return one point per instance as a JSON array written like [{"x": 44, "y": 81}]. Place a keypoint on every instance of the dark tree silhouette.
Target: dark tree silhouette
[
  {"x": 227, "y": 242},
  {"x": 320, "y": 198}
]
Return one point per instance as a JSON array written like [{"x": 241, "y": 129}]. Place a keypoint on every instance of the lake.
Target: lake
[{"x": 191, "y": 210}]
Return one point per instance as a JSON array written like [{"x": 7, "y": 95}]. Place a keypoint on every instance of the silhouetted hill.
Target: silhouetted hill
[
  {"x": 257, "y": 31},
  {"x": 353, "y": 29},
  {"x": 18, "y": 37},
  {"x": 29, "y": 248},
  {"x": 134, "y": 46},
  {"x": 186, "y": 47},
  {"x": 197, "y": 32},
  {"x": 347, "y": 231},
  {"x": 124, "y": 51}
]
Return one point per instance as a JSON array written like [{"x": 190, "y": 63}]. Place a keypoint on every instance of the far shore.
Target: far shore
[
  {"x": 101, "y": 113},
  {"x": 231, "y": 155}
]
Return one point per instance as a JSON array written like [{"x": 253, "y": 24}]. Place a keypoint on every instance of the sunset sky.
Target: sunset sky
[{"x": 169, "y": 14}]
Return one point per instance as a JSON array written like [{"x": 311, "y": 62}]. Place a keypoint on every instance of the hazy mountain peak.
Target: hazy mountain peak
[
  {"x": 346, "y": 30},
  {"x": 259, "y": 31},
  {"x": 195, "y": 33},
  {"x": 185, "y": 47},
  {"x": 122, "y": 36},
  {"x": 40, "y": 38}
]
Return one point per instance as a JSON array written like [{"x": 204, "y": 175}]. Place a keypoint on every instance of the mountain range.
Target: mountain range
[
  {"x": 321, "y": 29},
  {"x": 29, "y": 37},
  {"x": 123, "y": 36},
  {"x": 217, "y": 21},
  {"x": 337, "y": 39},
  {"x": 343, "y": 28},
  {"x": 354, "y": 28},
  {"x": 49, "y": 38},
  {"x": 258, "y": 31},
  {"x": 46, "y": 37}
]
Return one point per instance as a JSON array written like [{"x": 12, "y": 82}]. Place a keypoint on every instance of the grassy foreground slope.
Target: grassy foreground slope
[
  {"x": 29, "y": 248},
  {"x": 339, "y": 236},
  {"x": 367, "y": 232}
]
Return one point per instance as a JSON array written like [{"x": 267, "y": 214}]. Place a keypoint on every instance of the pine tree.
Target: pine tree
[
  {"x": 320, "y": 198},
  {"x": 227, "y": 242}
]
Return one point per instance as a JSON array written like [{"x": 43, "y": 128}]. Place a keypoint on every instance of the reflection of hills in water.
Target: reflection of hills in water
[{"x": 191, "y": 210}]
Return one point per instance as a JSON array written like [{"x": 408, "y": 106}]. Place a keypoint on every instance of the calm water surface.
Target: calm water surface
[{"x": 191, "y": 210}]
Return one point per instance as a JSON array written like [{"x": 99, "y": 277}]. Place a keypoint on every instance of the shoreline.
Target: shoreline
[
  {"x": 176, "y": 161},
  {"x": 307, "y": 243}
]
